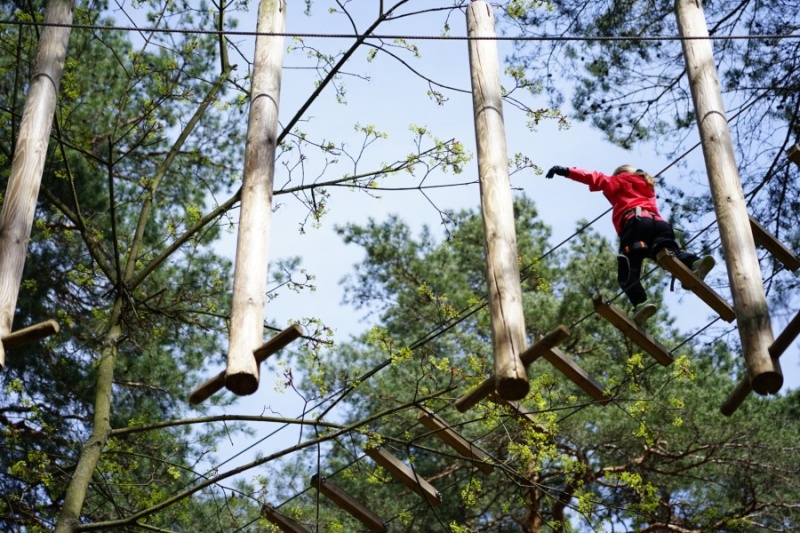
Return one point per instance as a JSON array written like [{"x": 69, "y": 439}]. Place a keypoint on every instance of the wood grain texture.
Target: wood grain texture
[
  {"x": 19, "y": 202},
  {"x": 744, "y": 272},
  {"x": 505, "y": 292},
  {"x": 252, "y": 244}
]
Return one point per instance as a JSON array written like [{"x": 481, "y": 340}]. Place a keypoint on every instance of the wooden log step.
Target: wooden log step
[
  {"x": 776, "y": 350},
  {"x": 347, "y": 503},
  {"x": 625, "y": 324},
  {"x": 576, "y": 373},
  {"x": 766, "y": 239},
  {"x": 26, "y": 335},
  {"x": 670, "y": 263},
  {"x": 282, "y": 521},
  {"x": 405, "y": 474},
  {"x": 455, "y": 440},
  {"x": 551, "y": 339},
  {"x": 276, "y": 343},
  {"x": 31, "y": 333}
]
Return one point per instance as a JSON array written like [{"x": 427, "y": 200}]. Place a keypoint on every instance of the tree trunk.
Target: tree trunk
[{"x": 69, "y": 518}]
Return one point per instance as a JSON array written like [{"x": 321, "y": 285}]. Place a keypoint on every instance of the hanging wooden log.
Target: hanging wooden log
[
  {"x": 619, "y": 319},
  {"x": 279, "y": 341},
  {"x": 252, "y": 242},
  {"x": 670, "y": 263},
  {"x": 347, "y": 503},
  {"x": 576, "y": 373},
  {"x": 738, "y": 246},
  {"x": 27, "y": 165},
  {"x": 474, "y": 396},
  {"x": 405, "y": 474},
  {"x": 505, "y": 291},
  {"x": 30, "y": 334},
  {"x": 771, "y": 243},
  {"x": 776, "y": 350},
  {"x": 446, "y": 433},
  {"x": 282, "y": 521}
]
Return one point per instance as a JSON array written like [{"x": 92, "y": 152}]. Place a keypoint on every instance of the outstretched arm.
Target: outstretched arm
[{"x": 559, "y": 170}]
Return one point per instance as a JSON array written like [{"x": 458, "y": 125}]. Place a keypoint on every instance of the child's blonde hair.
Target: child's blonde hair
[{"x": 633, "y": 170}]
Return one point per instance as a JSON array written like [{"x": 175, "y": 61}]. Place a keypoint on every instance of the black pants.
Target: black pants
[{"x": 644, "y": 238}]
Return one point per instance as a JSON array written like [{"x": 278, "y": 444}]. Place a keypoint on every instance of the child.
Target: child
[{"x": 642, "y": 231}]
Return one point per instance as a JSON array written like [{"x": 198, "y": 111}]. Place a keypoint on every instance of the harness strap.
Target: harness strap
[{"x": 637, "y": 245}]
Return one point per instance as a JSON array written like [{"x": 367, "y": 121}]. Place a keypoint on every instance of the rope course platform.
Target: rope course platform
[
  {"x": 546, "y": 348},
  {"x": 456, "y": 441},
  {"x": 29, "y": 334},
  {"x": 281, "y": 520},
  {"x": 614, "y": 315},
  {"x": 276, "y": 343},
  {"x": 671, "y": 264},
  {"x": 349, "y": 504},
  {"x": 405, "y": 474}
]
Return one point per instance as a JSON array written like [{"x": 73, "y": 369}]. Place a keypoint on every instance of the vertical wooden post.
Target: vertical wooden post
[
  {"x": 505, "y": 292},
  {"x": 738, "y": 246},
  {"x": 252, "y": 245},
  {"x": 19, "y": 203}
]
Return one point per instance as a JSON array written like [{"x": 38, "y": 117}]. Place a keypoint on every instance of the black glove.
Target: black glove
[{"x": 559, "y": 170}]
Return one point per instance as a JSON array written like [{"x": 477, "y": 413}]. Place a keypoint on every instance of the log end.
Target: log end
[
  {"x": 512, "y": 388},
  {"x": 241, "y": 383},
  {"x": 767, "y": 383}
]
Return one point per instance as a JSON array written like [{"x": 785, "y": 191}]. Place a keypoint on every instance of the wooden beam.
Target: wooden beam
[
  {"x": 446, "y": 433},
  {"x": 618, "y": 318},
  {"x": 405, "y": 474},
  {"x": 738, "y": 245},
  {"x": 771, "y": 243},
  {"x": 27, "y": 165},
  {"x": 669, "y": 262},
  {"x": 794, "y": 154},
  {"x": 776, "y": 350},
  {"x": 737, "y": 397},
  {"x": 347, "y": 503},
  {"x": 252, "y": 242},
  {"x": 786, "y": 337},
  {"x": 279, "y": 341},
  {"x": 577, "y": 374},
  {"x": 282, "y": 521},
  {"x": 505, "y": 291},
  {"x": 30, "y": 333},
  {"x": 551, "y": 339}
]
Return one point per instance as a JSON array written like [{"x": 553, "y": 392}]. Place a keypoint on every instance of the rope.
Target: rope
[{"x": 554, "y": 38}]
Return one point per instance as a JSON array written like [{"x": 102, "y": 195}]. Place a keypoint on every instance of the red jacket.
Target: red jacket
[{"x": 625, "y": 191}]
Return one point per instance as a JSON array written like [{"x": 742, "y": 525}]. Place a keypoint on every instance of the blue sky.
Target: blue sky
[{"x": 392, "y": 99}]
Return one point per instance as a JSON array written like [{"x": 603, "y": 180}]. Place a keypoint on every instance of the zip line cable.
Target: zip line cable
[{"x": 407, "y": 37}]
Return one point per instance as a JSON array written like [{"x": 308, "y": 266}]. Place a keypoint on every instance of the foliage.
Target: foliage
[{"x": 658, "y": 457}]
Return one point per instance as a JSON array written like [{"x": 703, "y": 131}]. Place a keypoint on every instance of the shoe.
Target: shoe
[
  {"x": 643, "y": 311},
  {"x": 703, "y": 266}
]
